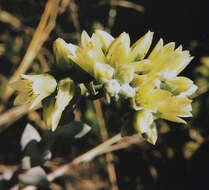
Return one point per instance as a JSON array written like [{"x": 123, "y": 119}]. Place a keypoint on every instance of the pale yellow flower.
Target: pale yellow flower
[
  {"x": 33, "y": 89},
  {"x": 62, "y": 50},
  {"x": 143, "y": 120},
  {"x": 108, "y": 59},
  {"x": 149, "y": 96},
  {"x": 173, "y": 107},
  {"x": 54, "y": 106},
  {"x": 90, "y": 57},
  {"x": 151, "y": 134},
  {"x": 127, "y": 60},
  {"x": 167, "y": 61},
  {"x": 144, "y": 124},
  {"x": 150, "y": 81},
  {"x": 181, "y": 86}
]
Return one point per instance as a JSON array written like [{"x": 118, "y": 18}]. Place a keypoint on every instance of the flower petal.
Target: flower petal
[
  {"x": 175, "y": 107},
  {"x": 143, "y": 120},
  {"x": 105, "y": 38},
  {"x": 119, "y": 51},
  {"x": 102, "y": 72},
  {"x": 85, "y": 39},
  {"x": 141, "y": 47},
  {"x": 63, "y": 53},
  {"x": 66, "y": 91},
  {"x": 181, "y": 86}
]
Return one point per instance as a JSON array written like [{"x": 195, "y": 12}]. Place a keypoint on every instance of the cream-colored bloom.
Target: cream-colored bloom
[
  {"x": 143, "y": 121},
  {"x": 90, "y": 57},
  {"x": 172, "y": 108},
  {"x": 33, "y": 88},
  {"x": 149, "y": 96},
  {"x": 151, "y": 81},
  {"x": 108, "y": 59},
  {"x": 63, "y": 52},
  {"x": 144, "y": 124},
  {"x": 167, "y": 61},
  {"x": 181, "y": 86},
  {"x": 151, "y": 135},
  {"x": 53, "y": 108}
]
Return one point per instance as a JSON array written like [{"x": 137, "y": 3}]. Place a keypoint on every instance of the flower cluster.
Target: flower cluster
[
  {"x": 36, "y": 88},
  {"x": 150, "y": 82}
]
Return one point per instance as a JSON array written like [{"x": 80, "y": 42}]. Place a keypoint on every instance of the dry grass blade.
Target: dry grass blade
[
  {"x": 42, "y": 32},
  {"x": 86, "y": 157},
  {"x": 9, "y": 18},
  {"x": 109, "y": 156},
  {"x": 125, "y": 4},
  {"x": 74, "y": 14},
  {"x": 128, "y": 4},
  {"x": 13, "y": 114},
  {"x": 112, "y": 15},
  {"x": 105, "y": 147},
  {"x": 43, "y": 62},
  {"x": 125, "y": 143}
]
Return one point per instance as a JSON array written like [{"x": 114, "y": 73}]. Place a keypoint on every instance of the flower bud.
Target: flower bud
[
  {"x": 181, "y": 86},
  {"x": 63, "y": 53},
  {"x": 151, "y": 134},
  {"x": 54, "y": 107},
  {"x": 144, "y": 124},
  {"x": 143, "y": 121}
]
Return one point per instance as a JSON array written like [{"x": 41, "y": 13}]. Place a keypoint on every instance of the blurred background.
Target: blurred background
[{"x": 179, "y": 160}]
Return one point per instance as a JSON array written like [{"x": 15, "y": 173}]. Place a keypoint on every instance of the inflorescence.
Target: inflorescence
[{"x": 150, "y": 82}]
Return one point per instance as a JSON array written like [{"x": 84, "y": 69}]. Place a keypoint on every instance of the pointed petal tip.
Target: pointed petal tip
[
  {"x": 179, "y": 48},
  {"x": 150, "y": 33},
  {"x": 53, "y": 128},
  {"x": 160, "y": 41},
  {"x": 84, "y": 32}
]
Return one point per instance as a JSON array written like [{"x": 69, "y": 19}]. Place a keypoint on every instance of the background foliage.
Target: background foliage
[{"x": 180, "y": 159}]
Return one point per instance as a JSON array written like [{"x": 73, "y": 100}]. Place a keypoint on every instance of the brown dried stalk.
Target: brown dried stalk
[
  {"x": 109, "y": 156},
  {"x": 74, "y": 14},
  {"x": 41, "y": 34},
  {"x": 115, "y": 143},
  {"x": 125, "y": 4},
  {"x": 9, "y": 18},
  {"x": 13, "y": 115},
  {"x": 112, "y": 15},
  {"x": 86, "y": 157}
]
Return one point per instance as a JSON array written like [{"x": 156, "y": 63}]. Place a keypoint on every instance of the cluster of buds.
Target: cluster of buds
[{"x": 150, "y": 82}]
